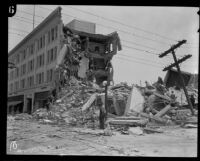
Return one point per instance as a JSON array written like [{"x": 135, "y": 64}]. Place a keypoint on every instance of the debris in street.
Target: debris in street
[
  {"x": 151, "y": 130},
  {"x": 189, "y": 126},
  {"x": 141, "y": 122},
  {"x": 135, "y": 131}
]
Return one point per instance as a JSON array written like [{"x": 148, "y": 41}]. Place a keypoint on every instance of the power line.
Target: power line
[
  {"x": 123, "y": 45},
  {"x": 16, "y": 34},
  {"x": 127, "y": 25},
  {"x": 29, "y": 13},
  {"x": 140, "y": 45},
  {"x": 140, "y": 59},
  {"x": 19, "y": 30},
  {"x": 14, "y": 18},
  {"x": 129, "y": 33},
  {"x": 130, "y": 26},
  {"x": 122, "y": 58},
  {"x": 126, "y": 32},
  {"x": 123, "y": 40},
  {"x": 27, "y": 19}
]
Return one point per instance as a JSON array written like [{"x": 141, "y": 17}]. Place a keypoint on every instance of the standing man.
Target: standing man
[{"x": 102, "y": 112}]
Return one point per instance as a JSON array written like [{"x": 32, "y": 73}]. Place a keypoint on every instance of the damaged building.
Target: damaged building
[
  {"x": 74, "y": 47},
  {"x": 172, "y": 79}
]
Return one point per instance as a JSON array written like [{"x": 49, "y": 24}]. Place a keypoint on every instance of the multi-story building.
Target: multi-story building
[{"x": 35, "y": 57}]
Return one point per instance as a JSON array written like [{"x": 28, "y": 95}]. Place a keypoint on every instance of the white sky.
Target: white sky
[{"x": 130, "y": 65}]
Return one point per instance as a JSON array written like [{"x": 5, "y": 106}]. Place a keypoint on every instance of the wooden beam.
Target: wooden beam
[
  {"x": 178, "y": 62},
  {"x": 163, "y": 111}
]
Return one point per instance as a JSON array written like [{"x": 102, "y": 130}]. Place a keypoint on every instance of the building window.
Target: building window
[
  {"x": 23, "y": 69},
  {"x": 43, "y": 58},
  {"x": 43, "y": 40},
  {"x": 51, "y": 59},
  {"x": 56, "y": 32},
  {"x": 31, "y": 49},
  {"x": 12, "y": 75},
  {"x": 18, "y": 58},
  {"x": 16, "y": 86},
  {"x": 27, "y": 51},
  {"x": 40, "y": 78},
  {"x": 36, "y": 45},
  {"x": 11, "y": 87},
  {"x": 55, "y": 53},
  {"x": 51, "y": 55},
  {"x": 17, "y": 72},
  {"x": 23, "y": 55},
  {"x": 30, "y": 81},
  {"x": 31, "y": 65},
  {"x": 40, "y": 60},
  {"x": 22, "y": 84},
  {"x": 52, "y": 34},
  {"x": 49, "y": 75},
  {"x": 49, "y": 36},
  {"x": 48, "y": 57}
]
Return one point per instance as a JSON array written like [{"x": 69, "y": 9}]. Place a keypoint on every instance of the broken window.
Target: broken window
[{"x": 98, "y": 63}]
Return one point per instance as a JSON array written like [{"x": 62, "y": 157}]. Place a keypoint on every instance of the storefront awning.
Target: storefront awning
[{"x": 14, "y": 103}]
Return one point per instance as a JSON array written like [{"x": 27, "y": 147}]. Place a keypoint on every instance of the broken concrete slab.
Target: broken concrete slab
[
  {"x": 141, "y": 122},
  {"x": 163, "y": 111},
  {"x": 89, "y": 102},
  {"x": 157, "y": 119},
  {"x": 151, "y": 130},
  {"x": 135, "y": 131},
  {"x": 189, "y": 126},
  {"x": 135, "y": 101}
]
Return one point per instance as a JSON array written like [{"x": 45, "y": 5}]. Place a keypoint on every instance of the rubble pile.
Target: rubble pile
[
  {"x": 67, "y": 108},
  {"x": 180, "y": 95},
  {"x": 121, "y": 91},
  {"x": 21, "y": 116}
]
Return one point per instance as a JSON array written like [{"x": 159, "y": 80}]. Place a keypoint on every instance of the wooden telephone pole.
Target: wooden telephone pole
[{"x": 176, "y": 64}]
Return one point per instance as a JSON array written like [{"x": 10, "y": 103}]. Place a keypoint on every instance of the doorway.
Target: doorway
[{"x": 29, "y": 105}]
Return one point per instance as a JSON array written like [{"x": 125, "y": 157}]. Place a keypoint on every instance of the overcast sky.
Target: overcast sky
[{"x": 149, "y": 31}]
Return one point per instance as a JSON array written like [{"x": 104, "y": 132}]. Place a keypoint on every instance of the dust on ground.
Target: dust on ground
[{"x": 32, "y": 137}]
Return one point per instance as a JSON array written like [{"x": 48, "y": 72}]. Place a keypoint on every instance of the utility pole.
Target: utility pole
[
  {"x": 176, "y": 64},
  {"x": 33, "y": 16}
]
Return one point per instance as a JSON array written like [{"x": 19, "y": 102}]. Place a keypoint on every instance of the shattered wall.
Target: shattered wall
[{"x": 87, "y": 56}]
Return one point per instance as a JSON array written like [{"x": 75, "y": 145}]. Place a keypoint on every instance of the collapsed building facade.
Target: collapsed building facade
[{"x": 53, "y": 52}]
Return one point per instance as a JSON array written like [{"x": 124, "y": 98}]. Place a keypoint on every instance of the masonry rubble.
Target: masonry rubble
[{"x": 79, "y": 81}]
